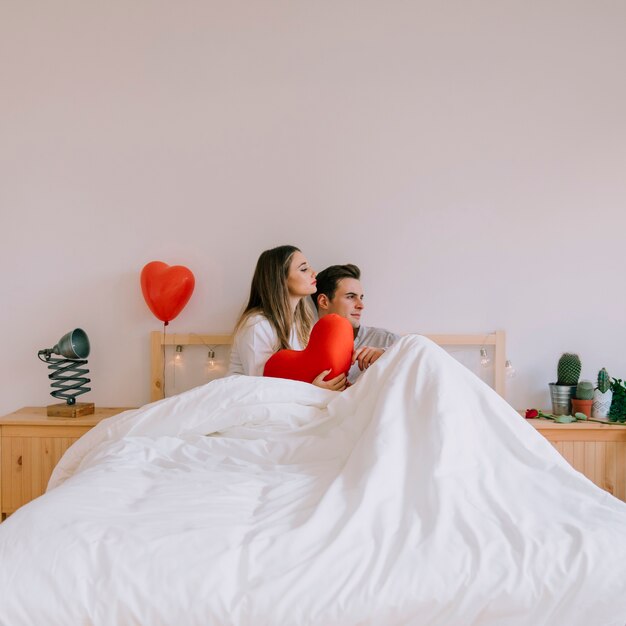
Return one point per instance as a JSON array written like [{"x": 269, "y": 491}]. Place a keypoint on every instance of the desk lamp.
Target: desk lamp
[{"x": 68, "y": 375}]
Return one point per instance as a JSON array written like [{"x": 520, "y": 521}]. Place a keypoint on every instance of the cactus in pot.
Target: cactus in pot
[
  {"x": 604, "y": 380},
  {"x": 564, "y": 389},
  {"x": 568, "y": 369},
  {"x": 584, "y": 390},
  {"x": 602, "y": 396},
  {"x": 584, "y": 398}
]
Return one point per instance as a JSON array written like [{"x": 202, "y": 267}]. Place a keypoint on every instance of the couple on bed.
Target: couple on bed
[{"x": 279, "y": 316}]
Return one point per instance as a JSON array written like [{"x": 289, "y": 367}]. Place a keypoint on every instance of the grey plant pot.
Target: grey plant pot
[{"x": 561, "y": 396}]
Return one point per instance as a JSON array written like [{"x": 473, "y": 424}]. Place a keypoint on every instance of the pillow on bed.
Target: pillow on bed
[{"x": 330, "y": 347}]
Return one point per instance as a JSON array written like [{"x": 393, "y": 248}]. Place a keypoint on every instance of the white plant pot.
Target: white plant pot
[{"x": 601, "y": 403}]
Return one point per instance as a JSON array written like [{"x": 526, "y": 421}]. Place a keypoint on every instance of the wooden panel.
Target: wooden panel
[
  {"x": 500, "y": 364},
  {"x": 15, "y": 494},
  {"x": 57, "y": 450},
  {"x": 600, "y": 464},
  {"x": 27, "y": 463},
  {"x": 190, "y": 339},
  {"x": 620, "y": 470},
  {"x": 6, "y": 471},
  {"x": 489, "y": 339},
  {"x": 47, "y": 457},
  {"x": 611, "y": 466},
  {"x": 5, "y": 474},
  {"x": 157, "y": 382},
  {"x": 589, "y": 463},
  {"x": 579, "y": 456},
  {"x": 568, "y": 451},
  {"x": 37, "y": 478}
]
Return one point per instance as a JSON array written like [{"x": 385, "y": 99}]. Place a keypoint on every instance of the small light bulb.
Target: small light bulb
[
  {"x": 509, "y": 369},
  {"x": 485, "y": 361},
  {"x": 211, "y": 360},
  {"x": 179, "y": 354}
]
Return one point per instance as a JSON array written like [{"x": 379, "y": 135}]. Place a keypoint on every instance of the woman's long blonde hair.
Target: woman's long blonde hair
[{"x": 269, "y": 296}]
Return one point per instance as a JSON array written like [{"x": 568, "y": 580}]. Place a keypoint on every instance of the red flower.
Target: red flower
[{"x": 531, "y": 413}]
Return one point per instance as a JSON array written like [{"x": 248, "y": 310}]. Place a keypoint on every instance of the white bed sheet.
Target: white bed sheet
[{"x": 416, "y": 497}]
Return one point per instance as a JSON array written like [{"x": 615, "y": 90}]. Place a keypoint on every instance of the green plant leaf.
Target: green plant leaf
[
  {"x": 565, "y": 419},
  {"x": 548, "y": 416},
  {"x": 580, "y": 416}
]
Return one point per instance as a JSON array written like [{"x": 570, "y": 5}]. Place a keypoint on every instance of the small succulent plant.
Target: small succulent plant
[
  {"x": 568, "y": 369},
  {"x": 584, "y": 390},
  {"x": 604, "y": 380}
]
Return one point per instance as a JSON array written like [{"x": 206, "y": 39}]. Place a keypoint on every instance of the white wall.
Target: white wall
[{"x": 469, "y": 156}]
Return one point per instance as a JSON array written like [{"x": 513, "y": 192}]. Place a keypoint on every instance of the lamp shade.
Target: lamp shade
[{"x": 73, "y": 345}]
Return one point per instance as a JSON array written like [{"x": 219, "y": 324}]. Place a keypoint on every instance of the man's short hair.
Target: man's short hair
[{"x": 328, "y": 279}]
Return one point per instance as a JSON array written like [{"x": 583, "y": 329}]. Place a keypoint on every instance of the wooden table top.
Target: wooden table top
[{"x": 36, "y": 416}]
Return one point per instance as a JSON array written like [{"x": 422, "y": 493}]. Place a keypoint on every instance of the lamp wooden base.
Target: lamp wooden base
[{"x": 70, "y": 410}]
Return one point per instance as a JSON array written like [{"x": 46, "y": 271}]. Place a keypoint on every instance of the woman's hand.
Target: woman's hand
[
  {"x": 366, "y": 356},
  {"x": 334, "y": 384}
]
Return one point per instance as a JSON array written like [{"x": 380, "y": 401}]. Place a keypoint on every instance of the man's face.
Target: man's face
[{"x": 347, "y": 302}]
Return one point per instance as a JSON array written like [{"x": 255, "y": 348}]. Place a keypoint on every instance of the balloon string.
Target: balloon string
[{"x": 163, "y": 346}]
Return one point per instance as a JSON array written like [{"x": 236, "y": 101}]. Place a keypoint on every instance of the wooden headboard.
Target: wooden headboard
[{"x": 158, "y": 340}]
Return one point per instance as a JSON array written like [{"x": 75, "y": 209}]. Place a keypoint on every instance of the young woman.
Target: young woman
[{"x": 278, "y": 314}]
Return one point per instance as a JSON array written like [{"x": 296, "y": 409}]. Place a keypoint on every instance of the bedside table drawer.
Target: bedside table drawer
[
  {"x": 31, "y": 444},
  {"x": 27, "y": 464}
]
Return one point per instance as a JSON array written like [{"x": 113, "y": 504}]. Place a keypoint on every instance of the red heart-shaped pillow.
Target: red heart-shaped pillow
[
  {"x": 330, "y": 347},
  {"x": 166, "y": 289}
]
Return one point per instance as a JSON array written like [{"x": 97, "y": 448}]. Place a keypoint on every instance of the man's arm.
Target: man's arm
[
  {"x": 370, "y": 344},
  {"x": 366, "y": 356}
]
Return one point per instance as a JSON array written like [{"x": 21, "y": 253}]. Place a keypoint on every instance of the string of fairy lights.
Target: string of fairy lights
[
  {"x": 212, "y": 362},
  {"x": 211, "y": 366},
  {"x": 485, "y": 362}
]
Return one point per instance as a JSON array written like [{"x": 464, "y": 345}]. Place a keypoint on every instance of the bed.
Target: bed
[{"x": 418, "y": 496}]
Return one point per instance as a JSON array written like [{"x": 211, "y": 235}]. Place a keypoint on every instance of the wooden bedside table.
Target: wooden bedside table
[
  {"x": 31, "y": 444},
  {"x": 596, "y": 450}
]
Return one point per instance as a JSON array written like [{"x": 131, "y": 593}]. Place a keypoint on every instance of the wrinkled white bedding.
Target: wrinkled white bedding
[{"x": 416, "y": 497}]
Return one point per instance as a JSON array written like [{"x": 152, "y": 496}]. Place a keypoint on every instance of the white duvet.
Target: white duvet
[{"x": 416, "y": 497}]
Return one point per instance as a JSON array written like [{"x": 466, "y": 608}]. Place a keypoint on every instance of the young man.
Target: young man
[{"x": 339, "y": 291}]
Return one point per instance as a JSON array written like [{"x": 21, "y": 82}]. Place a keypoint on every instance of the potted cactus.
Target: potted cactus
[
  {"x": 584, "y": 398},
  {"x": 602, "y": 395},
  {"x": 564, "y": 389}
]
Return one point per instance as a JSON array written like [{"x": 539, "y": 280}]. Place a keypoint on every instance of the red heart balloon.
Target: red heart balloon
[
  {"x": 166, "y": 289},
  {"x": 330, "y": 347}
]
